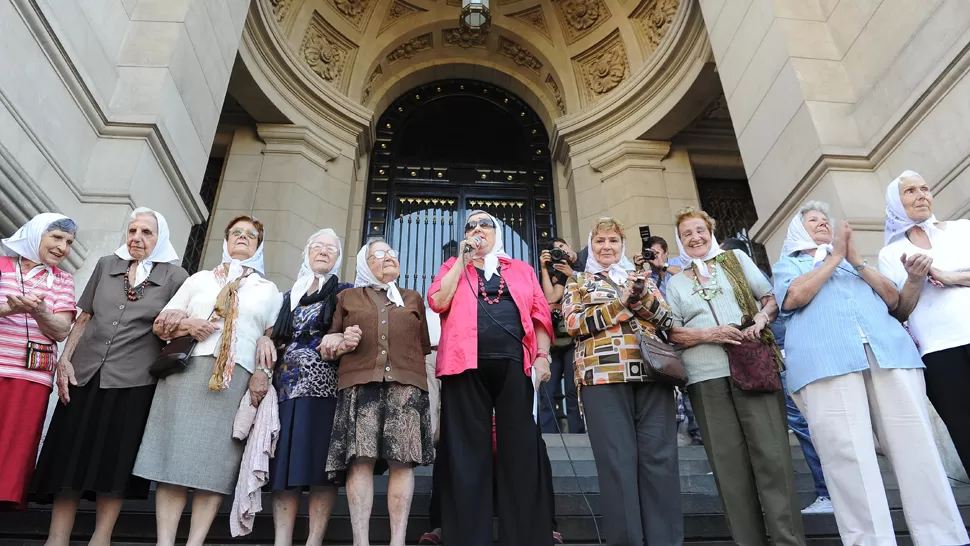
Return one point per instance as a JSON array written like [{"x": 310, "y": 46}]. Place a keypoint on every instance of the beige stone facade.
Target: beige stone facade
[{"x": 109, "y": 105}]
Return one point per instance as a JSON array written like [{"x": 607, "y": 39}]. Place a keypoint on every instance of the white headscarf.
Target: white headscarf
[
  {"x": 26, "y": 243},
  {"x": 163, "y": 252},
  {"x": 897, "y": 221},
  {"x": 365, "y": 277},
  {"x": 618, "y": 272},
  {"x": 798, "y": 240},
  {"x": 306, "y": 276},
  {"x": 686, "y": 260},
  {"x": 236, "y": 266},
  {"x": 498, "y": 250}
]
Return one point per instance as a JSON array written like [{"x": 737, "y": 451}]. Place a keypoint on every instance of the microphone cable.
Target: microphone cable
[{"x": 572, "y": 464}]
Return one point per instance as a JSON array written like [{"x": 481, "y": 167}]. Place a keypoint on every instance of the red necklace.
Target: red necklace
[{"x": 501, "y": 288}]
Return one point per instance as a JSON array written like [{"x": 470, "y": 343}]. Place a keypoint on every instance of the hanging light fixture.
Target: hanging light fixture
[{"x": 475, "y": 17}]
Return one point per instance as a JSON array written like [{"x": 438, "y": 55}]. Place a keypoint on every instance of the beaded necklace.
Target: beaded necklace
[
  {"x": 712, "y": 289},
  {"x": 501, "y": 288},
  {"x": 134, "y": 293}
]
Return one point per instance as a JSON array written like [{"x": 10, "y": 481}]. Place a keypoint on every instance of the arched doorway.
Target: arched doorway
[{"x": 449, "y": 147}]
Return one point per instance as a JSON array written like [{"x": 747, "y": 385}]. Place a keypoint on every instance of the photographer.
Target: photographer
[
  {"x": 654, "y": 254},
  {"x": 556, "y": 267}
]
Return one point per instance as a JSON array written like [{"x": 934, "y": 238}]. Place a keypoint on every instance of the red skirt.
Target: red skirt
[{"x": 23, "y": 406}]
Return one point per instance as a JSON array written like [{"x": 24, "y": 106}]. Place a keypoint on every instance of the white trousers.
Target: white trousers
[{"x": 842, "y": 414}]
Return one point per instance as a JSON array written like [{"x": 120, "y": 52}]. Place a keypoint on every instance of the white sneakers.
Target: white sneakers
[{"x": 822, "y": 505}]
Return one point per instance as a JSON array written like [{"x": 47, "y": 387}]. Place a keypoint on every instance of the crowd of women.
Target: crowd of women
[{"x": 344, "y": 365}]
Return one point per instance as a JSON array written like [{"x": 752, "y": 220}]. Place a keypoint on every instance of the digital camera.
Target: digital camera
[{"x": 557, "y": 255}]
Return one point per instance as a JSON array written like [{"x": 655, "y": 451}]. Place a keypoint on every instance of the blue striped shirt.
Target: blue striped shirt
[{"x": 824, "y": 338}]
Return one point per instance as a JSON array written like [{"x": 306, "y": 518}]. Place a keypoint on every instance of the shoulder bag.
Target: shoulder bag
[
  {"x": 661, "y": 361},
  {"x": 752, "y": 363},
  {"x": 174, "y": 357}
]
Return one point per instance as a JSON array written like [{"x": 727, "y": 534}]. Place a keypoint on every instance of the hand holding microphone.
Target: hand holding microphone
[{"x": 469, "y": 247}]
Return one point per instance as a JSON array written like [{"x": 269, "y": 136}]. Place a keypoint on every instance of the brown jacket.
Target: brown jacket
[{"x": 394, "y": 341}]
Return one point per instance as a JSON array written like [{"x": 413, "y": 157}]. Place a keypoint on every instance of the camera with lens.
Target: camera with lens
[
  {"x": 648, "y": 253},
  {"x": 558, "y": 255}
]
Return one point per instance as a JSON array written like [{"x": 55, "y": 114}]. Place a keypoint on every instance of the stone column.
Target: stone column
[{"x": 638, "y": 182}]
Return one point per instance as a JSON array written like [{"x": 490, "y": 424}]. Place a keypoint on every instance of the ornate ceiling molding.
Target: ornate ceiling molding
[
  {"x": 357, "y": 12},
  {"x": 578, "y": 18},
  {"x": 519, "y": 55},
  {"x": 631, "y": 153},
  {"x": 534, "y": 18},
  {"x": 328, "y": 53},
  {"x": 398, "y": 11},
  {"x": 556, "y": 93},
  {"x": 410, "y": 48},
  {"x": 601, "y": 68},
  {"x": 374, "y": 76},
  {"x": 456, "y": 37},
  {"x": 651, "y": 21}
]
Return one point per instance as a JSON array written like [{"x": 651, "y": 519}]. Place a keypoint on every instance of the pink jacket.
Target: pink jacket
[{"x": 458, "y": 347}]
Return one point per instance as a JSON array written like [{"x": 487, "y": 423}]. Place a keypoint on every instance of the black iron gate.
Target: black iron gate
[
  {"x": 730, "y": 203},
  {"x": 419, "y": 196}
]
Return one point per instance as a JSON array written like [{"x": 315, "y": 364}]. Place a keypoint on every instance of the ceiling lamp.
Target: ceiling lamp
[{"x": 475, "y": 17}]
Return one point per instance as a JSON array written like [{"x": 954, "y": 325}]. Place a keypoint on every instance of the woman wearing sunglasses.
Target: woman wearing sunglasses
[
  {"x": 496, "y": 330},
  {"x": 380, "y": 334}
]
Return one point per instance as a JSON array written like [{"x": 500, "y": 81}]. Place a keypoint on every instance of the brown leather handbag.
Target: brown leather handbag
[{"x": 752, "y": 363}]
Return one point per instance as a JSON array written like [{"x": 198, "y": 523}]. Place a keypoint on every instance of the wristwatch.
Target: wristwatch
[
  {"x": 267, "y": 371},
  {"x": 859, "y": 268}
]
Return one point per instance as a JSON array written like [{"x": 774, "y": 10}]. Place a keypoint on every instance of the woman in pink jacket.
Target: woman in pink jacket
[{"x": 495, "y": 335}]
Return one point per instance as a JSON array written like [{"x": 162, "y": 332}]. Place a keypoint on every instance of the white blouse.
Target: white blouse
[
  {"x": 940, "y": 318},
  {"x": 259, "y": 305}
]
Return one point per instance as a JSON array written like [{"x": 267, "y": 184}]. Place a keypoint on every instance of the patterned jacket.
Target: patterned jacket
[{"x": 606, "y": 343}]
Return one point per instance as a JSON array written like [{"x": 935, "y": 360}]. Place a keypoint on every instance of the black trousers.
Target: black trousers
[
  {"x": 947, "y": 378},
  {"x": 467, "y": 402}
]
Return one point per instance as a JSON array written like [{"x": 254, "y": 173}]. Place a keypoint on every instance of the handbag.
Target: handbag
[
  {"x": 661, "y": 361},
  {"x": 40, "y": 356},
  {"x": 174, "y": 357},
  {"x": 752, "y": 363}
]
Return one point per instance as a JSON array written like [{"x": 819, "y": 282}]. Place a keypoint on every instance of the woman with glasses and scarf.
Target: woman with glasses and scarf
[
  {"x": 380, "y": 334},
  {"x": 188, "y": 444},
  {"x": 496, "y": 330},
  {"x": 103, "y": 381},
  {"x": 36, "y": 311},
  {"x": 307, "y": 388}
]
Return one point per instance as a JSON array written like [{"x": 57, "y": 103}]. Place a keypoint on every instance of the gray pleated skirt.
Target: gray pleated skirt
[{"x": 188, "y": 440}]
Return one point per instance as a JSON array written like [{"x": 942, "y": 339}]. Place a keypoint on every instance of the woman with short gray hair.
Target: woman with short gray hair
[
  {"x": 853, "y": 371},
  {"x": 36, "y": 311},
  {"x": 103, "y": 382}
]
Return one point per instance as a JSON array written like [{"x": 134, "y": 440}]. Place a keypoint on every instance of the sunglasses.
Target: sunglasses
[
  {"x": 320, "y": 247},
  {"x": 251, "y": 234},
  {"x": 381, "y": 254},
  {"x": 484, "y": 223}
]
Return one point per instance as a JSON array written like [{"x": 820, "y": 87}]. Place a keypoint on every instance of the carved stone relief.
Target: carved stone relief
[
  {"x": 717, "y": 110},
  {"x": 279, "y": 9},
  {"x": 358, "y": 12},
  {"x": 602, "y": 67},
  {"x": 456, "y": 37},
  {"x": 519, "y": 55},
  {"x": 651, "y": 20},
  {"x": 369, "y": 86},
  {"x": 398, "y": 11},
  {"x": 557, "y": 94},
  {"x": 411, "y": 48},
  {"x": 327, "y": 52},
  {"x": 534, "y": 18},
  {"x": 580, "y": 17}
]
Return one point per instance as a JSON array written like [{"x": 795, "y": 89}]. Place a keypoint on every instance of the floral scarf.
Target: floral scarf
[{"x": 226, "y": 308}]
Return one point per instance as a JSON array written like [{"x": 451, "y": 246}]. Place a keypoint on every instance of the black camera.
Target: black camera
[
  {"x": 648, "y": 253},
  {"x": 557, "y": 255}
]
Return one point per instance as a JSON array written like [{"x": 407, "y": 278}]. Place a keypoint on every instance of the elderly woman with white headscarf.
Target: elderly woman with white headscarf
[
  {"x": 631, "y": 418},
  {"x": 306, "y": 384},
  {"x": 380, "y": 334},
  {"x": 929, "y": 262},
  {"x": 853, "y": 370},
  {"x": 496, "y": 330},
  {"x": 103, "y": 381},
  {"x": 230, "y": 312},
  {"x": 720, "y": 300},
  {"x": 36, "y": 311}
]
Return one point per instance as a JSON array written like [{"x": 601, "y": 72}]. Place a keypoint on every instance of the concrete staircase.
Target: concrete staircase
[{"x": 704, "y": 519}]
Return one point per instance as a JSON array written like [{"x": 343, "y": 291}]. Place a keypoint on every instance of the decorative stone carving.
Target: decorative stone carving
[
  {"x": 398, "y": 11},
  {"x": 556, "y": 93},
  {"x": 279, "y": 9},
  {"x": 717, "y": 110},
  {"x": 356, "y": 11},
  {"x": 534, "y": 18},
  {"x": 374, "y": 76},
  {"x": 327, "y": 52},
  {"x": 519, "y": 55},
  {"x": 651, "y": 20},
  {"x": 456, "y": 37},
  {"x": 602, "y": 67},
  {"x": 580, "y": 17},
  {"x": 411, "y": 48}
]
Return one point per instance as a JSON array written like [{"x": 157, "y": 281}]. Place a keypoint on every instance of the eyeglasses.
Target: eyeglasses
[
  {"x": 320, "y": 247},
  {"x": 251, "y": 234},
  {"x": 381, "y": 254},
  {"x": 484, "y": 223}
]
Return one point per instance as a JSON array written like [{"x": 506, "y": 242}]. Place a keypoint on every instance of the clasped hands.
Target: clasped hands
[
  {"x": 334, "y": 345},
  {"x": 30, "y": 304}
]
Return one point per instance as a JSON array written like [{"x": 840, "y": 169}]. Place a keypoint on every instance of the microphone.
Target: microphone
[{"x": 469, "y": 248}]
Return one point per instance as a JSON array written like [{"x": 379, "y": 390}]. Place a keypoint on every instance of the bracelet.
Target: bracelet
[
  {"x": 767, "y": 318},
  {"x": 542, "y": 354},
  {"x": 267, "y": 371}
]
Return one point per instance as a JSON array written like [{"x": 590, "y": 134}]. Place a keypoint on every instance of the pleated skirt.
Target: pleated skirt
[
  {"x": 188, "y": 440},
  {"x": 92, "y": 443},
  {"x": 23, "y": 406}
]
